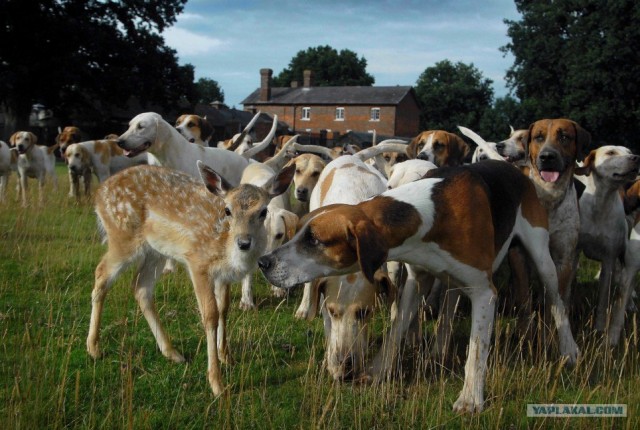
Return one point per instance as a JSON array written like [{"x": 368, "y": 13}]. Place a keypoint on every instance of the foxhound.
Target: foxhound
[
  {"x": 195, "y": 129},
  {"x": 420, "y": 223},
  {"x": 8, "y": 163},
  {"x": 603, "y": 227},
  {"x": 34, "y": 161},
  {"x": 440, "y": 147}
]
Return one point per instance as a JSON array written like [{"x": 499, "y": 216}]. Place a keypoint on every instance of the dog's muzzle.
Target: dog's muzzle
[{"x": 550, "y": 164}]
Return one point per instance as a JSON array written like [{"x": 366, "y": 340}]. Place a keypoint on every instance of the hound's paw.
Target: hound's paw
[
  {"x": 94, "y": 350},
  {"x": 279, "y": 292},
  {"x": 302, "y": 313},
  {"x": 467, "y": 405},
  {"x": 246, "y": 306}
]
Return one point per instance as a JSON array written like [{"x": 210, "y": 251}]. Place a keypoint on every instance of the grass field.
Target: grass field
[{"x": 47, "y": 380}]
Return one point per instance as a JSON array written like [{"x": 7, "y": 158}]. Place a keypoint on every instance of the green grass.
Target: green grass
[{"x": 47, "y": 380}]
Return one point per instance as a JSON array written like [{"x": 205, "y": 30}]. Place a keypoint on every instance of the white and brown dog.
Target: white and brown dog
[
  {"x": 603, "y": 227},
  {"x": 419, "y": 223},
  {"x": 195, "y": 129},
  {"x": 102, "y": 157},
  {"x": 34, "y": 161},
  {"x": 440, "y": 147},
  {"x": 66, "y": 136},
  {"x": 511, "y": 149}
]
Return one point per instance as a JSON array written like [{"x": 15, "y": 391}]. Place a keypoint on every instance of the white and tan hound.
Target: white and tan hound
[
  {"x": 34, "y": 161},
  {"x": 195, "y": 129},
  {"x": 420, "y": 223}
]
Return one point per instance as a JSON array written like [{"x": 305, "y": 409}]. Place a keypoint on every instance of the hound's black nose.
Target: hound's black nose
[
  {"x": 120, "y": 143},
  {"x": 423, "y": 156},
  {"x": 548, "y": 156},
  {"x": 264, "y": 263}
]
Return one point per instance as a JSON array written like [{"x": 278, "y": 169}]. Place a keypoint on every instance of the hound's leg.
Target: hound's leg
[{"x": 483, "y": 304}]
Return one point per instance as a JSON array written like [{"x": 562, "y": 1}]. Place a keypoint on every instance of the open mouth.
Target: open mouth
[
  {"x": 22, "y": 150},
  {"x": 136, "y": 151},
  {"x": 631, "y": 173},
  {"x": 549, "y": 175}
]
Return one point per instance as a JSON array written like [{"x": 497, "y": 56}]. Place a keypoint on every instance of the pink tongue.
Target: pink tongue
[{"x": 549, "y": 176}]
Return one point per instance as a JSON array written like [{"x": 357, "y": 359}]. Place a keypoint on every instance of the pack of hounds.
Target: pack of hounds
[{"x": 405, "y": 223}]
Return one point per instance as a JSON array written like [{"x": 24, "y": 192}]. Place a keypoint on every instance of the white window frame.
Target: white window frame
[
  {"x": 374, "y": 114},
  {"x": 339, "y": 114},
  {"x": 306, "y": 114}
]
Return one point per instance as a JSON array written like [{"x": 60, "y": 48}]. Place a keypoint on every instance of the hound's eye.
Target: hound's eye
[
  {"x": 191, "y": 125},
  {"x": 387, "y": 158},
  {"x": 540, "y": 138},
  {"x": 263, "y": 213},
  {"x": 139, "y": 126},
  {"x": 315, "y": 174},
  {"x": 564, "y": 138},
  {"x": 611, "y": 153},
  {"x": 362, "y": 314},
  {"x": 279, "y": 236},
  {"x": 227, "y": 211},
  {"x": 298, "y": 171},
  {"x": 437, "y": 146},
  {"x": 77, "y": 155}
]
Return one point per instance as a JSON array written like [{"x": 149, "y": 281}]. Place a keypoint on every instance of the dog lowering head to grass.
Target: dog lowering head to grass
[{"x": 149, "y": 213}]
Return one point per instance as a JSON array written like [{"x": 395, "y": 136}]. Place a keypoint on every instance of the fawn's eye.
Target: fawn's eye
[{"x": 227, "y": 211}]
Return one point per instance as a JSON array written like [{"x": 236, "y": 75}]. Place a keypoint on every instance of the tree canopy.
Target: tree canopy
[
  {"x": 330, "y": 68},
  {"x": 579, "y": 59},
  {"x": 451, "y": 95},
  {"x": 83, "y": 57},
  {"x": 208, "y": 91}
]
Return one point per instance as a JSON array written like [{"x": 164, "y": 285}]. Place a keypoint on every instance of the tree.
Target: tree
[
  {"x": 84, "y": 57},
  {"x": 208, "y": 90},
  {"x": 578, "y": 59},
  {"x": 452, "y": 95},
  {"x": 329, "y": 67}
]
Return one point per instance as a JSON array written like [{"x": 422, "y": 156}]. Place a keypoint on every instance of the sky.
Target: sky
[{"x": 229, "y": 41}]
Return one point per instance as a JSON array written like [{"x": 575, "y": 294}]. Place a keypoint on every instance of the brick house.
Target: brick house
[{"x": 334, "y": 111}]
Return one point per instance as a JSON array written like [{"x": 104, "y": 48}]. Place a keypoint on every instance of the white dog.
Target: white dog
[{"x": 34, "y": 161}]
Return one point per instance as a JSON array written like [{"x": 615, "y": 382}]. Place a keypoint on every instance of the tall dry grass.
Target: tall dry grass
[{"x": 47, "y": 258}]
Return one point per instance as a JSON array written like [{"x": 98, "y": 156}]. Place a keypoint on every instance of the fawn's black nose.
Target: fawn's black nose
[{"x": 244, "y": 243}]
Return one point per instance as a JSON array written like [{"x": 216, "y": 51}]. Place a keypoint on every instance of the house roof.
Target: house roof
[{"x": 331, "y": 95}]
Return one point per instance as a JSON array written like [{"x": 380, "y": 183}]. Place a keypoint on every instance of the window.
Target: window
[
  {"x": 375, "y": 114},
  {"x": 306, "y": 113},
  {"x": 340, "y": 114}
]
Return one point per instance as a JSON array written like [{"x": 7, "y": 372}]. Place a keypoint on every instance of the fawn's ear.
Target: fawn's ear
[
  {"x": 282, "y": 180},
  {"x": 214, "y": 182}
]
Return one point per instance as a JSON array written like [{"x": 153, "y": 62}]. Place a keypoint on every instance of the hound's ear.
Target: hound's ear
[
  {"x": 370, "y": 247},
  {"x": 585, "y": 169},
  {"x": 462, "y": 147},
  {"x": 214, "y": 182},
  {"x": 511, "y": 130},
  {"x": 385, "y": 286},
  {"x": 412, "y": 147},
  {"x": 12, "y": 139},
  {"x": 34, "y": 138},
  {"x": 583, "y": 140},
  {"x": 282, "y": 181},
  {"x": 206, "y": 130},
  {"x": 318, "y": 287},
  {"x": 179, "y": 120},
  {"x": 527, "y": 141},
  {"x": 290, "y": 223}
]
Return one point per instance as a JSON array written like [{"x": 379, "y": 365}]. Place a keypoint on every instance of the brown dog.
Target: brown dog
[{"x": 440, "y": 147}]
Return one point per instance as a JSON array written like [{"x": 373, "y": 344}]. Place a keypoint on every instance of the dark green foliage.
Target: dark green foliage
[
  {"x": 451, "y": 95},
  {"x": 330, "y": 68},
  {"x": 208, "y": 90},
  {"x": 579, "y": 59},
  {"x": 86, "y": 57}
]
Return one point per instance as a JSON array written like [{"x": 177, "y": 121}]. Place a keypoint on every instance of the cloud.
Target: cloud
[{"x": 188, "y": 43}]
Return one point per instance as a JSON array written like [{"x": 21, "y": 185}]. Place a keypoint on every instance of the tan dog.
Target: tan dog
[
  {"x": 195, "y": 129},
  {"x": 308, "y": 170},
  {"x": 67, "y": 136},
  {"x": 34, "y": 161},
  {"x": 440, "y": 147},
  {"x": 150, "y": 213}
]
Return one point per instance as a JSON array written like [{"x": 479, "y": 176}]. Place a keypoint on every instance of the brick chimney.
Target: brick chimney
[
  {"x": 308, "y": 78},
  {"x": 265, "y": 84}
]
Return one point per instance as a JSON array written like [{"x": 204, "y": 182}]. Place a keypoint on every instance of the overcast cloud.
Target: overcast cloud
[{"x": 230, "y": 40}]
